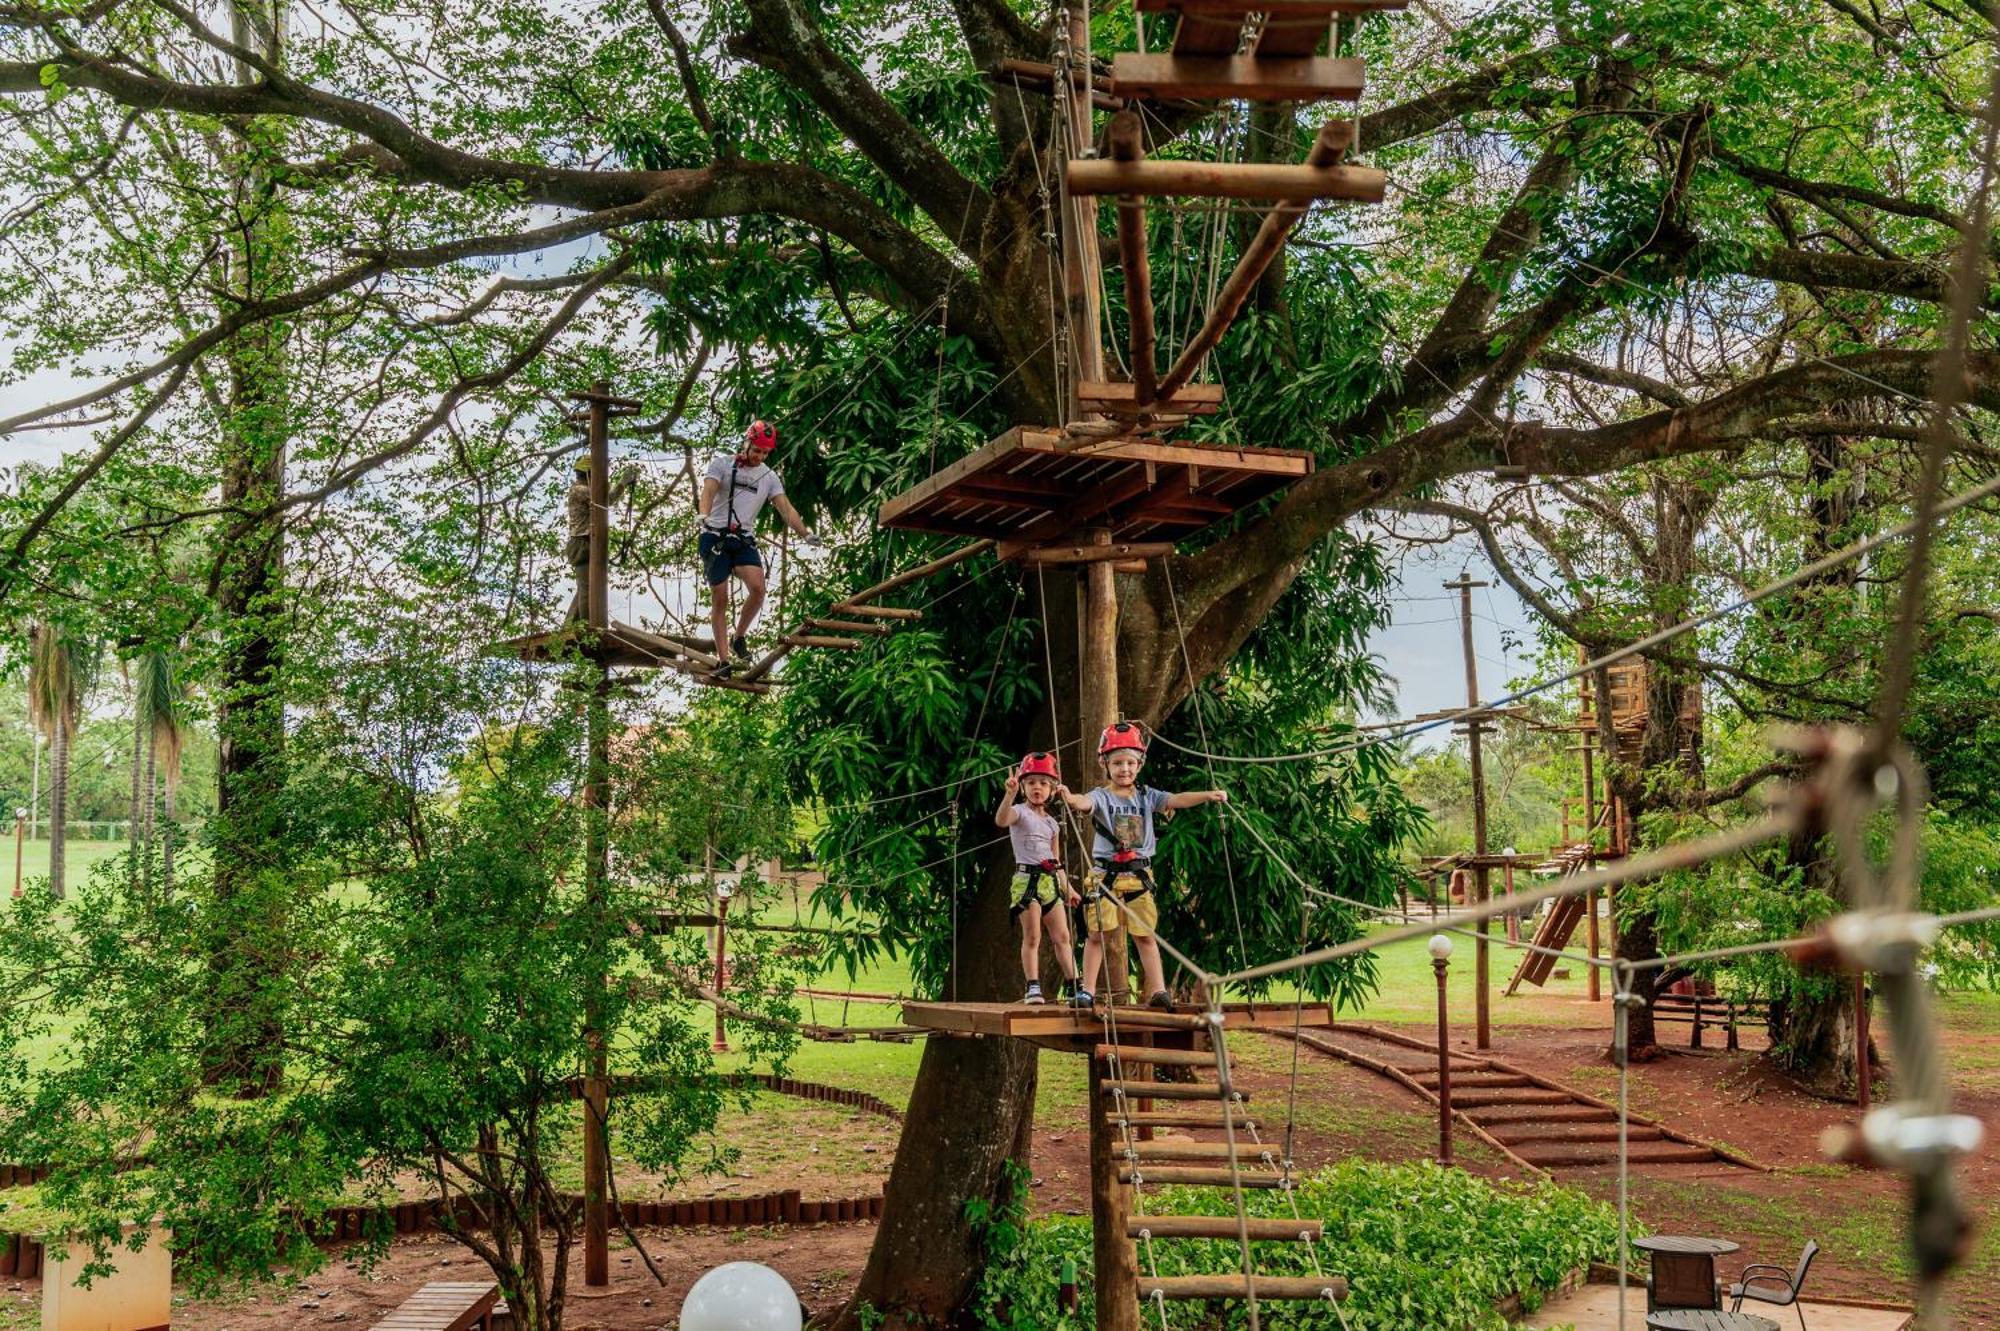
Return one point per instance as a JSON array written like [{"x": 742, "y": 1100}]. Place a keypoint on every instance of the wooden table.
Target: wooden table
[
  {"x": 1684, "y": 1270},
  {"x": 1702, "y": 1319}
]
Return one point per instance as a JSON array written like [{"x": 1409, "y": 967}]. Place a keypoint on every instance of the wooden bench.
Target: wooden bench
[{"x": 450, "y": 1305}]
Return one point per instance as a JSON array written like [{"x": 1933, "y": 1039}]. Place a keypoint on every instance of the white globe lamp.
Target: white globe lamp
[
  {"x": 1440, "y": 947},
  {"x": 741, "y": 1296}
]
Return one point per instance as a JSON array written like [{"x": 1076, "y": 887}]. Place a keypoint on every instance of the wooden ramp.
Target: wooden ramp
[{"x": 1538, "y": 1122}]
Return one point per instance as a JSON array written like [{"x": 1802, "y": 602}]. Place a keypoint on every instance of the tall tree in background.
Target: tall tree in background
[{"x": 60, "y": 673}]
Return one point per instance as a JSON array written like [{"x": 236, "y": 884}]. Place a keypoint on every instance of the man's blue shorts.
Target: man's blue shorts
[{"x": 717, "y": 562}]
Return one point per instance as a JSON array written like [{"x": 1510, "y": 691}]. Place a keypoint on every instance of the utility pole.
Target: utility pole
[
  {"x": 1482, "y": 960},
  {"x": 600, "y": 407}
]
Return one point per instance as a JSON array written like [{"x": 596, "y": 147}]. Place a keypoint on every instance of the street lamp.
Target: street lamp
[
  {"x": 20, "y": 831},
  {"x": 1440, "y": 950},
  {"x": 1513, "y": 916}
]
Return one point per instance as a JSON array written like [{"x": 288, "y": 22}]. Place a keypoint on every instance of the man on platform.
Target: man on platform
[{"x": 733, "y": 492}]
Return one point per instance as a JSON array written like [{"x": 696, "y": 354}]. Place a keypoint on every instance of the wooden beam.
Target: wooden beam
[
  {"x": 1280, "y": 10},
  {"x": 815, "y": 640},
  {"x": 1096, "y": 554},
  {"x": 1274, "y": 461},
  {"x": 1164, "y": 76},
  {"x": 877, "y": 611},
  {"x": 1042, "y": 77},
  {"x": 1258, "y": 255},
  {"x": 1123, "y": 400},
  {"x": 979, "y": 460},
  {"x": 1226, "y": 180},
  {"x": 909, "y": 575},
  {"x": 1127, "y": 138},
  {"x": 848, "y": 626}
]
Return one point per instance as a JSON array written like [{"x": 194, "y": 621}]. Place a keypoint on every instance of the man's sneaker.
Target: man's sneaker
[
  {"x": 1034, "y": 994},
  {"x": 723, "y": 671},
  {"x": 740, "y": 645},
  {"x": 1082, "y": 999},
  {"x": 1162, "y": 1000}
]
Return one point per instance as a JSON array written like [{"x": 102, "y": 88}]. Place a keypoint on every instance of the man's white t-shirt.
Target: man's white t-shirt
[{"x": 745, "y": 490}]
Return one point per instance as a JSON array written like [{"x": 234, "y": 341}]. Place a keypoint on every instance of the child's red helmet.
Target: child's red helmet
[
  {"x": 761, "y": 434},
  {"x": 1120, "y": 736},
  {"x": 1040, "y": 764}
]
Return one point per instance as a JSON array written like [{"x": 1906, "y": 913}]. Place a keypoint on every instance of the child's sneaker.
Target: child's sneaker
[
  {"x": 1067, "y": 992},
  {"x": 1034, "y": 994},
  {"x": 1081, "y": 998},
  {"x": 1161, "y": 1000}
]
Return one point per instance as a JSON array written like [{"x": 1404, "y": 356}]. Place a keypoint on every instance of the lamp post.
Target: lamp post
[
  {"x": 1513, "y": 916},
  {"x": 20, "y": 833},
  {"x": 1440, "y": 949}
]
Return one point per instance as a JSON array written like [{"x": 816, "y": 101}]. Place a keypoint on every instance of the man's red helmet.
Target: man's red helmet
[
  {"x": 1120, "y": 736},
  {"x": 1040, "y": 764},
  {"x": 761, "y": 434}
]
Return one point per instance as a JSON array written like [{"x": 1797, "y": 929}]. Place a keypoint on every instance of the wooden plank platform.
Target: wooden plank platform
[
  {"x": 1169, "y": 77},
  {"x": 1033, "y": 487},
  {"x": 1064, "y": 1028}
]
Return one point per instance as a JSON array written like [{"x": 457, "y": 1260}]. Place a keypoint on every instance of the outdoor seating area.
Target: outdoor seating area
[
  {"x": 1684, "y": 1291},
  {"x": 1594, "y": 1307}
]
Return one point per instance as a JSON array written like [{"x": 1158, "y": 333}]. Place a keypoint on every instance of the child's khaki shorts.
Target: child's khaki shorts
[{"x": 1141, "y": 916}]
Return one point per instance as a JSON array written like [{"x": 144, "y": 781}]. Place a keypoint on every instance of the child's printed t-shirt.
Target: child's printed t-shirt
[
  {"x": 1124, "y": 822},
  {"x": 1034, "y": 835}
]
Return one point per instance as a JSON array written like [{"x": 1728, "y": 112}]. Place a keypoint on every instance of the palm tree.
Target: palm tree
[
  {"x": 160, "y": 706},
  {"x": 59, "y": 673}
]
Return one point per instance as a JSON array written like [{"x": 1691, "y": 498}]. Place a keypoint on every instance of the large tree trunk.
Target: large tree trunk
[
  {"x": 1669, "y": 758},
  {"x": 246, "y": 1039},
  {"x": 971, "y": 1113}
]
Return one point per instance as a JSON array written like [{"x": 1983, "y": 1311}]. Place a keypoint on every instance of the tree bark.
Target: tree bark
[
  {"x": 971, "y": 1112},
  {"x": 245, "y": 1054}
]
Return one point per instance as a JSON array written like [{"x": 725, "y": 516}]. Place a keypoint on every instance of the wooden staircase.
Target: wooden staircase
[{"x": 1240, "y": 1159}]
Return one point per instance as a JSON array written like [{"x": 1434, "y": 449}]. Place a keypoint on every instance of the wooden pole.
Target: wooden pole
[
  {"x": 1864, "y": 1076},
  {"x": 597, "y": 853},
  {"x": 1595, "y": 990},
  {"x": 1262, "y": 251},
  {"x": 1080, "y": 257},
  {"x": 20, "y": 837},
  {"x": 721, "y": 900},
  {"x": 1439, "y": 964},
  {"x": 1116, "y": 1262},
  {"x": 1482, "y": 960},
  {"x": 1127, "y": 135},
  {"x": 1099, "y": 669}
]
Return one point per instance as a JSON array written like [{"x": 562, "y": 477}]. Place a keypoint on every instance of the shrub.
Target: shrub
[{"x": 1423, "y": 1248}]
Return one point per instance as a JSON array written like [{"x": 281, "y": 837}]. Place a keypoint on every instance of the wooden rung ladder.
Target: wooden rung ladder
[{"x": 1238, "y": 1162}]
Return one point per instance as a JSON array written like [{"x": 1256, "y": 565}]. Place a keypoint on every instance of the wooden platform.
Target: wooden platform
[
  {"x": 1032, "y": 487},
  {"x": 1057, "y": 1027},
  {"x": 623, "y": 645}
]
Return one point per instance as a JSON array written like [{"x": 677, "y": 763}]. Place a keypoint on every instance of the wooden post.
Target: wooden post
[
  {"x": 1439, "y": 964},
  {"x": 1116, "y": 1261},
  {"x": 597, "y": 848},
  {"x": 20, "y": 835},
  {"x": 1127, "y": 138},
  {"x": 1099, "y": 671},
  {"x": 1864, "y": 1076},
  {"x": 1513, "y": 916},
  {"x": 1482, "y": 960},
  {"x": 722, "y": 898},
  {"x": 1080, "y": 256}
]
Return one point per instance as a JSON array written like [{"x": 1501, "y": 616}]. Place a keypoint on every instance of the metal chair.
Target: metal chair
[{"x": 1786, "y": 1297}]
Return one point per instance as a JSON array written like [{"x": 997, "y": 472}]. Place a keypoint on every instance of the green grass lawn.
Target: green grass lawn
[{"x": 78, "y": 856}]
